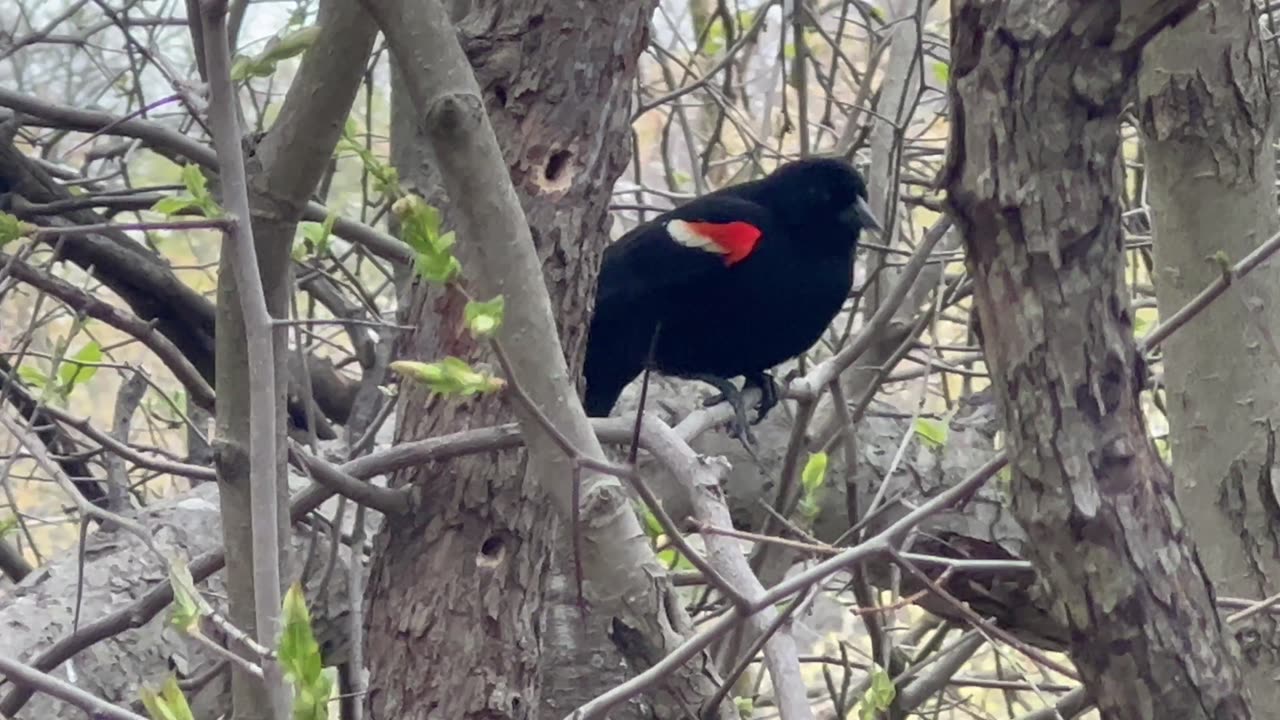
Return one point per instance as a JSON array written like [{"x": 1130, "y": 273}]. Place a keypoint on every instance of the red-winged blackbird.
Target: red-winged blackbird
[{"x": 733, "y": 283}]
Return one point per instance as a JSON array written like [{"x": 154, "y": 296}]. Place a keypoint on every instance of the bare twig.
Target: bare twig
[
  {"x": 876, "y": 546},
  {"x": 29, "y": 677}
]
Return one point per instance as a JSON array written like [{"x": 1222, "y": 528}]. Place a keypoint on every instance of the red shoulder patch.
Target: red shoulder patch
[{"x": 734, "y": 240}]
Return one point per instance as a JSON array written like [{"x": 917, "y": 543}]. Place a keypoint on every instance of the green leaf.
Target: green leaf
[
  {"x": 933, "y": 431},
  {"x": 1162, "y": 447},
  {"x": 437, "y": 268},
  {"x": 197, "y": 197},
  {"x": 942, "y": 72},
  {"x": 386, "y": 179},
  {"x": 350, "y": 129},
  {"x": 419, "y": 222},
  {"x": 713, "y": 43},
  {"x": 195, "y": 181},
  {"x": 652, "y": 527},
  {"x": 78, "y": 369},
  {"x": 168, "y": 704},
  {"x": 326, "y": 231},
  {"x": 879, "y": 696},
  {"x": 446, "y": 241},
  {"x": 174, "y": 698},
  {"x": 484, "y": 318},
  {"x": 815, "y": 470},
  {"x": 1222, "y": 260},
  {"x": 315, "y": 237},
  {"x": 420, "y": 229},
  {"x": 186, "y": 612},
  {"x": 283, "y": 47},
  {"x": 299, "y": 651},
  {"x": 279, "y": 47},
  {"x": 11, "y": 228},
  {"x": 450, "y": 376},
  {"x": 672, "y": 559},
  {"x": 8, "y": 524},
  {"x": 301, "y": 659},
  {"x": 1144, "y": 320},
  {"x": 33, "y": 376},
  {"x": 173, "y": 204},
  {"x": 746, "y": 706},
  {"x": 244, "y": 67}
]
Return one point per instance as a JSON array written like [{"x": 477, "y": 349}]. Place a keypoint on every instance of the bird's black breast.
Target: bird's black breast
[{"x": 769, "y": 308}]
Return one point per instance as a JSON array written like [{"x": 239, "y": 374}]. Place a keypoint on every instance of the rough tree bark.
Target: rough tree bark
[
  {"x": 1033, "y": 181},
  {"x": 556, "y": 78},
  {"x": 1207, "y": 143}
]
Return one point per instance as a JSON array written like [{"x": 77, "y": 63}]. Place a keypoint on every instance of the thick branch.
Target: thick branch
[{"x": 264, "y": 427}]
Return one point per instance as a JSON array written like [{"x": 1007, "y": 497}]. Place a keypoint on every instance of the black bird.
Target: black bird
[{"x": 733, "y": 282}]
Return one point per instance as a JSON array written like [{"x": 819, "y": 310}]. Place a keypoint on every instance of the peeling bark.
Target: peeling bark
[{"x": 1033, "y": 182}]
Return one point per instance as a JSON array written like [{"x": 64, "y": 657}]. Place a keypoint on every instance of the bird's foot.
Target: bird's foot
[
  {"x": 739, "y": 427},
  {"x": 762, "y": 381},
  {"x": 768, "y": 393}
]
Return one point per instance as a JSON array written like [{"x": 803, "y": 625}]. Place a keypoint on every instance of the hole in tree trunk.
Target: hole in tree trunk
[
  {"x": 492, "y": 551},
  {"x": 556, "y": 165},
  {"x": 557, "y": 172}
]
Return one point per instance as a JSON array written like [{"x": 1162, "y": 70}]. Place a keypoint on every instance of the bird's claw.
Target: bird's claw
[
  {"x": 768, "y": 393},
  {"x": 739, "y": 426}
]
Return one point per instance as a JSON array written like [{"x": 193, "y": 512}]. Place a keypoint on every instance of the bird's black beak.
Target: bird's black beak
[{"x": 859, "y": 215}]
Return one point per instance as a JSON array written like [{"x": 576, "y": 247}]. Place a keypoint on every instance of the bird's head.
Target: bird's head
[{"x": 817, "y": 192}]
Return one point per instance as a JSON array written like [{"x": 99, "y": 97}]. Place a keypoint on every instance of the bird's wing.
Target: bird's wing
[{"x": 701, "y": 241}]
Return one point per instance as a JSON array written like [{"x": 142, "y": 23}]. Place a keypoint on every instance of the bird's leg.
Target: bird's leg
[
  {"x": 768, "y": 392},
  {"x": 762, "y": 381},
  {"x": 738, "y": 427}
]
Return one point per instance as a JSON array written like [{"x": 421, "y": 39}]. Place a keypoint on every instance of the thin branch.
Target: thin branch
[
  {"x": 25, "y": 676},
  {"x": 1168, "y": 327},
  {"x": 223, "y": 119},
  {"x": 876, "y": 546},
  {"x": 95, "y": 307},
  {"x": 179, "y": 146},
  {"x": 827, "y": 371},
  {"x": 46, "y": 463},
  {"x": 387, "y": 501},
  {"x": 977, "y": 621}
]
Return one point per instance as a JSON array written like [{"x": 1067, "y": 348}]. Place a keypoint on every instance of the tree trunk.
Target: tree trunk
[
  {"x": 458, "y": 591},
  {"x": 1033, "y": 182},
  {"x": 1207, "y": 126}
]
